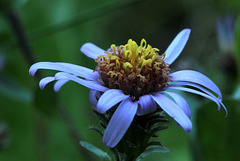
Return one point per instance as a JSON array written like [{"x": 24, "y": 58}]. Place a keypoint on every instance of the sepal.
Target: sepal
[{"x": 96, "y": 129}]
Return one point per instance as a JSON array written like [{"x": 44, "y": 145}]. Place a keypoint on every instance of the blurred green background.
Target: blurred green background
[{"x": 32, "y": 125}]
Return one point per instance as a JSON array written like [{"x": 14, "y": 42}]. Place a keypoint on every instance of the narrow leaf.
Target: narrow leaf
[
  {"x": 152, "y": 149},
  {"x": 158, "y": 128},
  {"x": 101, "y": 154},
  {"x": 96, "y": 129}
]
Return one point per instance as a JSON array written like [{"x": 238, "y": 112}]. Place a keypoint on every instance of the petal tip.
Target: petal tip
[
  {"x": 91, "y": 50},
  {"x": 43, "y": 82},
  {"x": 187, "y": 30},
  {"x": 83, "y": 47},
  {"x": 56, "y": 89},
  {"x": 226, "y": 114},
  {"x": 42, "y": 86},
  {"x": 32, "y": 71},
  {"x": 188, "y": 130},
  {"x": 99, "y": 110},
  {"x": 105, "y": 142}
]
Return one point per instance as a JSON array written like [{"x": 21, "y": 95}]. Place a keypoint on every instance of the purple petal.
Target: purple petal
[
  {"x": 196, "y": 77},
  {"x": 202, "y": 89},
  {"x": 176, "y": 46},
  {"x": 89, "y": 84},
  {"x": 120, "y": 122},
  {"x": 59, "y": 84},
  {"x": 172, "y": 109},
  {"x": 65, "y": 67},
  {"x": 43, "y": 82},
  {"x": 181, "y": 102},
  {"x": 195, "y": 92},
  {"x": 80, "y": 71},
  {"x": 109, "y": 99},
  {"x": 196, "y": 86},
  {"x": 91, "y": 50},
  {"x": 147, "y": 105},
  {"x": 93, "y": 97}
]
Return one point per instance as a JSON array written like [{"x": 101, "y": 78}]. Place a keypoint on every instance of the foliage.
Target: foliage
[{"x": 34, "y": 129}]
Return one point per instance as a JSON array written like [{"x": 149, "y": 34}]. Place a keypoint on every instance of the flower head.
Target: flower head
[
  {"x": 136, "y": 70},
  {"x": 135, "y": 78}
]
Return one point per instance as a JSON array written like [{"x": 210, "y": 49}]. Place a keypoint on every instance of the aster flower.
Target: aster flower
[{"x": 136, "y": 80}]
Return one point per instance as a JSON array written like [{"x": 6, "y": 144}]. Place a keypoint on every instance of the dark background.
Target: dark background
[{"x": 32, "y": 125}]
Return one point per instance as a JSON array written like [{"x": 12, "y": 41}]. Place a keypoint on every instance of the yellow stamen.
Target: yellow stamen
[
  {"x": 143, "y": 42},
  {"x": 118, "y": 65},
  {"x": 127, "y": 65},
  {"x": 136, "y": 69},
  {"x": 113, "y": 46}
]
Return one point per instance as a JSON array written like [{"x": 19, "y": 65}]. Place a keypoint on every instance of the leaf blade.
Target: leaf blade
[
  {"x": 98, "y": 152},
  {"x": 152, "y": 149}
]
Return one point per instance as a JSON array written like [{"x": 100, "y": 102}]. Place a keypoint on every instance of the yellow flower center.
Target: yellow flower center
[{"x": 137, "y": 70}]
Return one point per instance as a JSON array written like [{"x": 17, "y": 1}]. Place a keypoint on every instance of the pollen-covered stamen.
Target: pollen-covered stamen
[{"x": 137, "y": 70}]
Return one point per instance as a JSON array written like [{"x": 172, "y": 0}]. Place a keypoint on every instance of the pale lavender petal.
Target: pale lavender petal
[
  {"x": 120, "y": 122},
  {"x": 195, "y": 92},
  {"x": 80, "y": 71},
  {"x": 196, "y": 86},
  {"x": 89, "y": 84},
  {"x": 65, "y": 67},
  {"x": 196, "y": 77},
  {"x": 147, "y": 105},
  {"x": 202, "y": 89},
  {"x": 59, "y": 84},
  {"x": 176, "y": 46},
  {"x": 181, "y": 102},
  {"x": 91, "y": 50},
  {"x": 93, "y": 97},
  {"x": 43, "y": 82},
  {"x": 109, "y": 99},
  {"x": 173, "y": 110}
]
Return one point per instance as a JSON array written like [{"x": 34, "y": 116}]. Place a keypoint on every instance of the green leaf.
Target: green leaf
[
  {"x": 237, "y": 46},
  {"x": 152, "y": 149},
  {"x": 101, "y": 154},
  {"x": 219, "y": 136}
]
